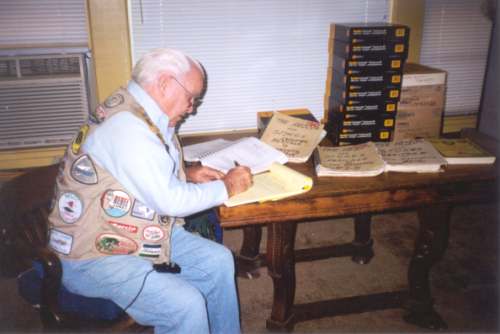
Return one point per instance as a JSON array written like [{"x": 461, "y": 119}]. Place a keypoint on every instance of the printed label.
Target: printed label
[
  {"x": 112, "y": 244},
  {"x": 70, "y": 207},
  {"x": 140, "y": 210},
  {"x": 60, "y": 242},
  {"x": 83, "y": 170},
  {"x": 125, "y": 227},
  {"x": 115, "y": 203}
]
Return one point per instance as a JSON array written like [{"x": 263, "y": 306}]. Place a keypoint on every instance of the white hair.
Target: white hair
[{"x": 158, "y": 61}]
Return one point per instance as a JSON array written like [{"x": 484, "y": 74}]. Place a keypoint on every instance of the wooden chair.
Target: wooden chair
[{"x": 23, "y": 210}]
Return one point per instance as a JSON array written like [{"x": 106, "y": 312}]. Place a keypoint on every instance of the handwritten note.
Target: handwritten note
[
  {"x": 293, "y": 136},
  {"x": 411, "y": 155},
  {"x": 354, "y": 160}
]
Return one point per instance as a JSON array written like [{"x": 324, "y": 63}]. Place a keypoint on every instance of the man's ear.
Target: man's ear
[{"x": 163, "y": 81}]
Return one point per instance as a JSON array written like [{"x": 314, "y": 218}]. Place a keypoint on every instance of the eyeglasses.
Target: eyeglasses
[{"x": 195, "y": 100}]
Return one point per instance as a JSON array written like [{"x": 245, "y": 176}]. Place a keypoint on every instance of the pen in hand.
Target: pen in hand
[{"x": 236, "y": 164}]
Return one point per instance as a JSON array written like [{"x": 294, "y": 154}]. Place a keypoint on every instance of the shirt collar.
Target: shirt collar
[{"x": 159, "y": 118}]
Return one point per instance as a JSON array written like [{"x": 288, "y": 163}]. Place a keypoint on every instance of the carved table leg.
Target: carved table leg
[
  {"x": 281, "y": 267},
  {"x": 248, "y": 261},
  {"x": 430, "y": 246},
  {"x": 363, "y": 243}
]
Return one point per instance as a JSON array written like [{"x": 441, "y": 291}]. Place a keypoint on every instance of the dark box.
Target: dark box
[
  {"x": 366, "y": 32},
  {"x": 391, "y": 49},
  {"x": 361, "y": 67}
]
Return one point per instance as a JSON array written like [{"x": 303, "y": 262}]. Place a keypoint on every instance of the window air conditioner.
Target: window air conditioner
[{"x": 43, "y": 99}]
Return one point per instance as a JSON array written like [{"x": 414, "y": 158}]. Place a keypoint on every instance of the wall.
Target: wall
[{"x": 488, "y": 119}]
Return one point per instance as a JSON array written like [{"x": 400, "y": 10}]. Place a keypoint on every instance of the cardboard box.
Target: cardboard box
[{"x": 420, "y": 109}]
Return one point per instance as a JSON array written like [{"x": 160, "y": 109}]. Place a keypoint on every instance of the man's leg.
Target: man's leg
[
  {"x": 209, "y": 266},
  {"x": 166, "y": 301}
]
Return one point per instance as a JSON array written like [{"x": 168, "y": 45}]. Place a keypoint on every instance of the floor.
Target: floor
[{"x": 464, "y": 283}]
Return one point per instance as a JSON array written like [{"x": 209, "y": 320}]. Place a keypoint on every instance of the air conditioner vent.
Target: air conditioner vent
[
  {"x": 45, "y": 103},
  {"x": 49, "y": 66}
]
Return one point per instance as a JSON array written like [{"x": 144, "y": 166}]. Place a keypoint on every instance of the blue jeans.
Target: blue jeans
[{"x": 200, "y": 299}]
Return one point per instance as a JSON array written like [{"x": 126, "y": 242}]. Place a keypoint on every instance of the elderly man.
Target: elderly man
[{"x": 120, "y": 197}]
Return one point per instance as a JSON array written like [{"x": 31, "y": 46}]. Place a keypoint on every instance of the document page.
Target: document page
[
  {"x": 278, "y": 183},
  {"x": 248, "y": 151}
]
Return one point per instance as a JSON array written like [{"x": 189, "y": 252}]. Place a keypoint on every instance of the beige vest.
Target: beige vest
[{"x": 92, "y": 214}]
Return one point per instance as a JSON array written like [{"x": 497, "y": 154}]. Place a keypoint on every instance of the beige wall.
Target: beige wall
[{"x": 110, "y": 44}]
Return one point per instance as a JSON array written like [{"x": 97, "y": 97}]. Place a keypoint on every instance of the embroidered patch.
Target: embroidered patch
[
  {"x": 113, "y": 244},
  {"x": 80, "y": 138},
  {"x": 60, "y": 242},
  {"x": 125, "y": 227},
  {"x": 150, "y": 250},
  {"x": 70, "y": 207},
  {"x": 153, "y": 233},
  {"x": 99, "y": 114},
  {"x": 115, "y": 203},
  {"x": 114, "y": 100},
  {"x": 140, "y": 210},
  {"x": 83, "y": 170},
  {"x": 164, "y": 220}
]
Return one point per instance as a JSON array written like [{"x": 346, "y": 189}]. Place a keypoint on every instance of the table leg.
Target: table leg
[
  {"x": 248, "y": 260},
  {"x": 363, "y": 243},
  {"x": 281, "y": 268},
  {"x": 430, "y": 246}
]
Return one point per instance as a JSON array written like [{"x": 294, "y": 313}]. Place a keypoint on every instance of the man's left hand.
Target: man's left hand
[{"x": 201, "y": 174}]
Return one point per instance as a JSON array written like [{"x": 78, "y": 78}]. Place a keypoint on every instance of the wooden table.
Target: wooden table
[{"x": 432, "y": 195}]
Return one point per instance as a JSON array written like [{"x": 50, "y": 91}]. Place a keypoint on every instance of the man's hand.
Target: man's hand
[
  {"x": 237, "y": 180},
  {"x": 202, "y": 174}
]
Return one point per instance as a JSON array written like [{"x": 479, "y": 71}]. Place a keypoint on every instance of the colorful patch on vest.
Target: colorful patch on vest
[
  {"x": 70, "y": 207},
  {"x": 99, "y": 114},
  {"x": 164, "y": 220},
  {"x": 150, "y": 250},
  {"x": 115, "y": 203},
  {"x": 114, "y": 100},
  {"x": 153, "y": 233},
  {"x": 113, "y": 244},
  {"x": 60, "y": 242},
  {"x": 140, "y": 210},
  {"x": 83, "y": 170},
  {"x": 80, "y": 138},
  {"x": 124, "y": 227}
]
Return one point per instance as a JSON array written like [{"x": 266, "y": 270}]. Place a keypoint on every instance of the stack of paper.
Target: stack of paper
[
  {"x": 279, "y": 182},
  {"x": 224, "y": 155},
  {"x": 369, "y": 159},
  {"x": 412, "y": 155},
  {"x": 295, "y": 137},
  {"x": 354, "y": 160},
  {"x": 462, "y": 151}
]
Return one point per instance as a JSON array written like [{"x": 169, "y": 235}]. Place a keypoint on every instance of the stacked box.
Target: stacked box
[
  {"x": 420, "y": 109},
  {"x": 364, "y": 78}
]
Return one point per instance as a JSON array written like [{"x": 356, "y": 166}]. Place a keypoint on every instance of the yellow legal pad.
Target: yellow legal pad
[{"x": 277, "y": 183}]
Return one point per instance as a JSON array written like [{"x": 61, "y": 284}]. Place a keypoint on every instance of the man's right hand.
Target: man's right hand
[{"x": 237, "y": 180}]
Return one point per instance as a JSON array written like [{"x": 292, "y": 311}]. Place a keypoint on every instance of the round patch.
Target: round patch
[
  {"x": 113, "y": 244},
  {"x": 115, "y": 203},
  {"x": 153, "y": 233},
  {"x": 70, "y": 207},
  {"x": 83, "y": 170},
  {"x": 114, "y": 100}
]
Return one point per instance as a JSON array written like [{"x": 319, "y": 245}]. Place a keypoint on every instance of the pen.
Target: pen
[{"x": 236, "y": 164}]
